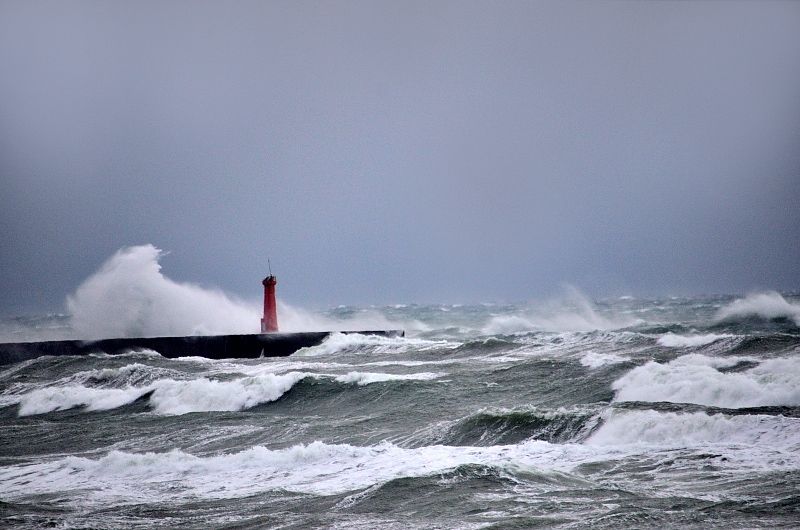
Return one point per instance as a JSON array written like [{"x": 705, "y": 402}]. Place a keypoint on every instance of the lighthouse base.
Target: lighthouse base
[{"x": 212, "y": 347}]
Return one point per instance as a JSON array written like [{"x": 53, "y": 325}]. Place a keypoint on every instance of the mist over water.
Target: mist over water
[{"x": 565, "y": 413}]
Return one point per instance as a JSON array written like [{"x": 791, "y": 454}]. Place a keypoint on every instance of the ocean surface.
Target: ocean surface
[{"x": 617, "y": 413}]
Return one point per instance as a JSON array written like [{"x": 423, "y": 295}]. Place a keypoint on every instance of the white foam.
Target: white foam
[
  {"x": 419, "y": 363},
  {"x": 7, "y": 373},
  {"x": 768, "y": 305},
  {"x": 671, "y": 340},
  {"x": 357, "y": 343},
  {"x": 695, "y": 378},
  {"x": 596, "y": 360},
  {"x": 696, "y": 429},
  {"x": 175, "y": 397},
  {"x": 316, "y": 468},
  {"x": 747, "y": 442},
  {"x": 169, "y": 397},
  {"x": 275, "y": 366},
  {"x": 49, "y": 399},
  {"x": 366, "y": 378},
  {"x": 201, "y": 395},
  {"x": 135, "y": 374}
]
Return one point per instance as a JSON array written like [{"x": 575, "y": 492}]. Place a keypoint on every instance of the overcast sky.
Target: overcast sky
[{"x": 383, "y": 152}]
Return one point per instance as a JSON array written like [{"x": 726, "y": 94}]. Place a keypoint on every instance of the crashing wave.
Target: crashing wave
[
  {"x": 768, "y": 306},
  {"x": 174, "y": 397},
  {"x": 698, "y": 379},
  {"x": 671, "y": 340},
  {"x": 698, "y": 428}
]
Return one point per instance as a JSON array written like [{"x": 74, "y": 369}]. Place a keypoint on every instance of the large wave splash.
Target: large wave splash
[
  {"x": 572, "y": 311},
  {"x": 129, "y": 296},
  {"x": 769, "y": 305}
]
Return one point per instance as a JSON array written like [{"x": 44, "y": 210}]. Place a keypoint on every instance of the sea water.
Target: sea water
[{"x": 623, "y": 412}]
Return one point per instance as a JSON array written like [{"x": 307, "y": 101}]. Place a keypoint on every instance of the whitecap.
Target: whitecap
[
  {"x": 696, "y": 379},
  {"x": 366, "y": 378},
  {"x": 596, "y": 360},
  {"x": 671, "y": 340},
  {"x": 671, "y": 429},
  {"x": 168, "y": 396},
  {"x": 768, "y": 305},
  {"x": 358, "y": 343}
]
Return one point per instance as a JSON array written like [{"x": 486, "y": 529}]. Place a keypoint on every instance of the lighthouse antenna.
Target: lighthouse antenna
[{"x": 270, "y": 266}]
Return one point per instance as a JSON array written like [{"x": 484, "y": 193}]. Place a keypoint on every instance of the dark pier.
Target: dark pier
[{"x": 212, "y": 347}]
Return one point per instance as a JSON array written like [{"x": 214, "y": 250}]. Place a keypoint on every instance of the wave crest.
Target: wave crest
[
  {"x": 697, "y": 379},
  {"x": 337, "y": 343},
  {"x": 596, "y": 360},
  {"x": 768, "y": 306},
  {"x": 697, "y": 428},
  {"x": 367, "y": 378},
  {"x": 671, "y": 340},
  {"x": 316, "y": 468},
  {"x": 168, "y": 396}
]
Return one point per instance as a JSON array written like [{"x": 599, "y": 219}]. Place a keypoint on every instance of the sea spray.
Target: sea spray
[
  {"x": 768, "y": 306},
  {"x": 572, "y": 311},
  {"x": 129, "y": 296}
]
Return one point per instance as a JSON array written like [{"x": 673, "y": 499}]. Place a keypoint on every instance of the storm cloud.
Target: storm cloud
[{"x": 382, "y": 152}]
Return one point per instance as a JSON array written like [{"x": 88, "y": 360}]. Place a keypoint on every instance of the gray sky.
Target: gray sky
[{"x": 383, "y": 152}]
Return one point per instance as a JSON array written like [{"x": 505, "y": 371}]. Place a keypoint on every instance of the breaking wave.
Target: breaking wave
[
  {"x": 768, "y": 306},
  {"x": 370, "y": 344},
  {"x": 51, "y": 399},
  {"x": 671, "y": 340},
  {"x": 596, "y": 360},
  {"x": 699, "y": 379},
  {"x": 497, "y": 426},
  {"x": 697, "y": 428},
  {"x": 326, "y": 469},
  {"x": 366, "y": 378},
  {"x": 316, "y": 468},
  {"x": 167, "y": 396},
  {"x": 174, "y": 397}
]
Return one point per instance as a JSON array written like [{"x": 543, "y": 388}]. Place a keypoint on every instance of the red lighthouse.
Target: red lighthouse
[{"x": 269, "y": 324}]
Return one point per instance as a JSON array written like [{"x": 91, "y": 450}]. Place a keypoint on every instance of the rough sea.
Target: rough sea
[{"x": 617, "y": 413}]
